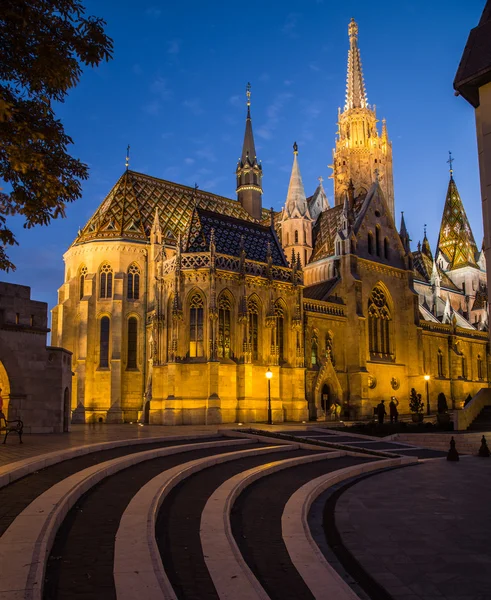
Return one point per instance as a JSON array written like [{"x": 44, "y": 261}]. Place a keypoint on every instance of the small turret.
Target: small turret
[
  {"x": 296, "y": 223},
  {"x": 404, "y": 235}
]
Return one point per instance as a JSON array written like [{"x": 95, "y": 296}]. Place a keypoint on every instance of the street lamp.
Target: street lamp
[
  {"x": 427, "y": 379},
  {"x": 269, "y": 374}
]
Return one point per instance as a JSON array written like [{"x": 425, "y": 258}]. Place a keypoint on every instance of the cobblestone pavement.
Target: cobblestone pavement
[{"x": 423, "y": 532}]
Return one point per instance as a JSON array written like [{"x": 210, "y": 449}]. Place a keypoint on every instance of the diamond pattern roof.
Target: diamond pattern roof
[
  {"x": 128, "y": 210},
  {"x": 423, "y": 266},
  {"x": 228, "y": 234}
]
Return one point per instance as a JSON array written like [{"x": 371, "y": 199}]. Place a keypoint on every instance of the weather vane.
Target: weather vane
[
  {"x": 450, "y": 161},
  {"x": 248, "y": 94},
  {"x": 127, "y": 163}
]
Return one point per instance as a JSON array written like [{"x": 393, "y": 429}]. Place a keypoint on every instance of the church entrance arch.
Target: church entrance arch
[
  {"x": 67, "y": 412},
  {"x": 4, "y": 388},
  {"x": 326, "y": 398}
]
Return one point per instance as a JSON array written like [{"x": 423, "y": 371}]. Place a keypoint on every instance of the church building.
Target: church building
[{"x": 177, "y": 301}]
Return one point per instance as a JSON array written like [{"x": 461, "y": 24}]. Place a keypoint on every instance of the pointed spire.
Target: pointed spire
[
  {"x": 296, "y": 201},
  {"x": 248, "y": 147},
  {"x": 426, "y": 248},
  {"x": 456, "y": 242},
  {"x": 435, "y": 276},
  {"x": 447, "y": 312},
  {"x": 156, "y": 231},
  {"x": 385, "y": 137},
  {"x": 356, "y": 96},
  {"x": 404, "y": 235},
  {"x": 249, "y": 171}
]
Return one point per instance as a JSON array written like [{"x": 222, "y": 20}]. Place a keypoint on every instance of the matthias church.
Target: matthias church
[{"x": 177, "y": 301}]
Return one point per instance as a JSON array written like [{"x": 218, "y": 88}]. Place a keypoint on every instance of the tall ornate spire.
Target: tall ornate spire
[
  {"x": 360, "y": 148},
  {"x": 456, "y": 246},
  {"x": 249, "y": 172},
  {"x": 356, "y": 96}
]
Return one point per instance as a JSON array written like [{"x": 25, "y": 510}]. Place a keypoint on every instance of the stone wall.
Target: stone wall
[{"x": 36, "y": 379}]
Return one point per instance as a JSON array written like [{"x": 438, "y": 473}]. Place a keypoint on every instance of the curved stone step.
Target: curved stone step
[
  {"x": 25, "y": 546},
  {"x": 229, "y": 571},
  {"x": 320, "y": 577},
  {"x": 137, "y": 561}
]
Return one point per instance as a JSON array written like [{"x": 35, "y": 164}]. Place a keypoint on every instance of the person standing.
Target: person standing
[
  {"x": 381, "y": 412},
  {"x": 393, "y": 412},
  {"x": 333, "y": 411}
]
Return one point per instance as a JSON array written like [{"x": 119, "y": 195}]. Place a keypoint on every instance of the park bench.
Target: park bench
[{"x": 13, "y": 426}]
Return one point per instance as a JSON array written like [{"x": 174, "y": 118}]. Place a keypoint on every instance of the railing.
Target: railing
[
  {"x": 202, "y": 260},
  {"x": 324, "y": 308},
  {"x": 463, "y": 418},
  {"x": 446, "y": 328}
]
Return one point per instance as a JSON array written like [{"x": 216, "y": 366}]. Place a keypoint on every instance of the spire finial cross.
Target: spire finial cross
[
  {"x": 127, "y": 161},
  {"x": 450, "y": 162},
  {"x": 248, "y": 93},
  {"x": 425, "y": 229},
  {"x": 321, "y": 179}
]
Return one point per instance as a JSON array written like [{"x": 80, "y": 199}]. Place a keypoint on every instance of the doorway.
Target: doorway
[{"x": 326, "y": 399}]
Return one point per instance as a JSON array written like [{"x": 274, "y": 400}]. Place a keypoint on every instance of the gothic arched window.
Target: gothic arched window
[
  {"x": 439, "y": 358},
  {"x": 296, "y": 236},
  {"x": 105, "y": 281},
  {"x": 279, "y": 330},
  {"x": 377, "y": 240},
  {"x": 314, "y": 348},
  {"x": 224, "y": 320},
  {"x": 133, "y": 291},
  {"x": 81, "y": 281},
  {"x": 196, "y": 333},
  {"x": 253, "y": 322},
  {"x": 464, "y": 367},
  {"x": 132, "y": 342},
  {"x": 479, "y": 367},
  {"x": 379, "y": 324},
  {"x": 104, "y": 343}
]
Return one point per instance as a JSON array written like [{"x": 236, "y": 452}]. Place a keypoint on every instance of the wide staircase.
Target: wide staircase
[
  {"x": 482, "y": 422},
  {"x": 207, "y": 517}
]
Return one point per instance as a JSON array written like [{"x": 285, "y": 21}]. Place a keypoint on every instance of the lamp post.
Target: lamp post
[
  {"x": 269, "y": 374},
  {"x": 427, "y": 379}
]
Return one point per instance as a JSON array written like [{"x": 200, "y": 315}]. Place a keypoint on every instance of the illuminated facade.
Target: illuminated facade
[{"x": 176, "y": 301}]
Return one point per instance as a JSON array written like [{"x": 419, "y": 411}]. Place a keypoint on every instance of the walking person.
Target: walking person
[
  {"x": 393, "y": 412},
  {"x": 381, "y": 412},
  {"x": 333, "y": 411}
]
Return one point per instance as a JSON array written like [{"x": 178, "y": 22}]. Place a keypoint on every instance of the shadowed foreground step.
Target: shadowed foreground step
[
  {"x": 256, "y": 525},
  {"x": 178, "y": 525},
  {"x": 19, "y": 494},
  {"x": 81, "y": 560}
]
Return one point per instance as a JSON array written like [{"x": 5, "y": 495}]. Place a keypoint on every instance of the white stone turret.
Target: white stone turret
[{"x": 296, "y": 223}]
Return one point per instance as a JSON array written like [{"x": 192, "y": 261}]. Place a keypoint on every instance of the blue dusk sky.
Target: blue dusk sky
[{"x": 175, "y": 91}]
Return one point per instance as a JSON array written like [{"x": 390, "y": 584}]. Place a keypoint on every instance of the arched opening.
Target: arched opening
[
  {"x": 106, "y": 281},
  {"x": 377, "y": 240},
  {"x": 224, "y": 325},
  {"x": 370, "y": 243},
  {"x": 196, "y": 326},
  {"x": 296, "y": 236},
  {"x": 380, "y": 325},
  {"x": 4, "y": 390},
  {"x": 67, "y": 412},
  {"x": 326, "y": 398},
  {"x": 133, "y": 283}
]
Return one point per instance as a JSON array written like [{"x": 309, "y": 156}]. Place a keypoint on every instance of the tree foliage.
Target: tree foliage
[{"x": 44, "y": 46}]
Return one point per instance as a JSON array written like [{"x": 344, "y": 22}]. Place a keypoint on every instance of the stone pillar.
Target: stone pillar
[
  {"x": 173, "y": 405},
  {"x": 214, "y": 410},
  {"x": 115, "y": 411}
]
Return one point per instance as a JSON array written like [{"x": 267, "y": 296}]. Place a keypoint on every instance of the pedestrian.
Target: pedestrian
[
  {"x": 381, "y": 412},
  {"x": 333, "y": 411},
  {"x": 338, "y": 411},
  {"x": 393, "y": 412}
]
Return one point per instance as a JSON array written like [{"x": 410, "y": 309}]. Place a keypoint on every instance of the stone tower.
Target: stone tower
[
  {"x": 360, "y": 151},
  {"x": 249, "y": 172},
  {"x": 296, "y": 223}
]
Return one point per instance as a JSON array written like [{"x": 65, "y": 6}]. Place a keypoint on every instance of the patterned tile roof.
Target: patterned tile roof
[
  {"x": 128, "y": 210},
  {"x": 325, "y": 231},
  {"x": 456, "y": 241},
  {"x": 423, "y": 267},
  {"x": 228, "y": 234},
  {"x": 322, "y": 291}
]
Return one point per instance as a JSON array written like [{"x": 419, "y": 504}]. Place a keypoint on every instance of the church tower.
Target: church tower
[
  {"x": 360, "y": 153},
  {"x": 249, "y": 172},
  {"x": 296, "y": 223}
]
